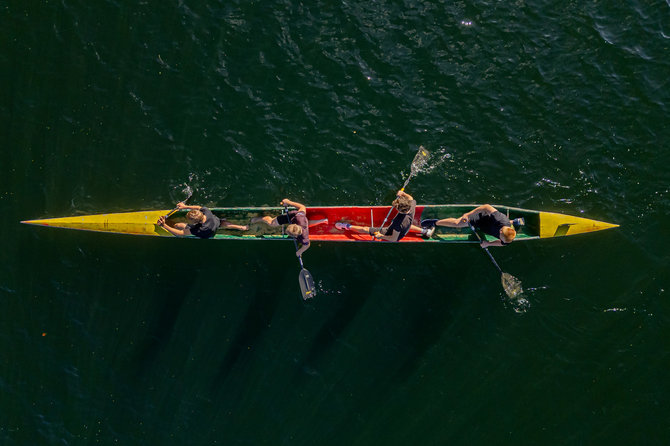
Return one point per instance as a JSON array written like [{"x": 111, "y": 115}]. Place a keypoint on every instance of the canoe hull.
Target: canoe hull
[
  {"x": 538, "y": 224},
  {"x": 134, "y": 223}
]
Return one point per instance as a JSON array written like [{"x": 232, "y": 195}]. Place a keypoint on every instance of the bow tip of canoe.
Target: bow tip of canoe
[{"x": 34, "y": 222}]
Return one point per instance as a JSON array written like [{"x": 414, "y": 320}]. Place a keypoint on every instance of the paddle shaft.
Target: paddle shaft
[
  {"x": 418, "y": 161},
  {"x": 486, "y": 249},
  {"x": 402, "y": 190},
  {"x": 171, "y": 212},
  {"x": 177, "y": 208},
  {"x": 300, "y": 256},
  {"x": 305, "y": 278},
  {"x": 295, "y": 243}
]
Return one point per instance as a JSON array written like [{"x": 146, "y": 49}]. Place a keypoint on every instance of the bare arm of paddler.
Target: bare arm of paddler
[
  {"x": 295, "y": 204},
  {"x": 462, "y": 221},
  {"x": 302, "y": 249},
  {"x": 485, "y": 209},
  {"x": 179, "y": 229},
  {"x": 398, "y": 204},
  {"x": 403, "y": 193},
  {"x": 182, "y": 205}
]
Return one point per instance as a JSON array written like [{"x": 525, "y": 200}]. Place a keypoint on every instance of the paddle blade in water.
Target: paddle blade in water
[
  {"x": 306, "y": 284},
  {"x": 512, "y": 286},
  {"x": 420, "y": 159}
]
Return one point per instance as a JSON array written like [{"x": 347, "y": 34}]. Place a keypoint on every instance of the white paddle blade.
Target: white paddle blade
[
  {"x": 420, "y": 159},
  {"x": 512, "y": 286},
  {"x": 307, "y": 287}
]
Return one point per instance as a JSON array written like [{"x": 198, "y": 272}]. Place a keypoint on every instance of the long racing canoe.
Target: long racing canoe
[{"x": 537, "y": 224}]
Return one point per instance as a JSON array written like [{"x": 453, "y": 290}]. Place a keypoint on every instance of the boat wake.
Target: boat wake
[
  {"x": 180, "y": 191},
  {"x": 321, "y": 289},
  {"x": 520, "y": 303}
]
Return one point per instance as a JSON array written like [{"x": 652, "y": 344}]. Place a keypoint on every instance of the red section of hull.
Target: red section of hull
[{"x": 360, "y": 216}]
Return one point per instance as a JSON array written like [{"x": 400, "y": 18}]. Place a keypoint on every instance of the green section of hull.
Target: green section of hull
[{"x": 529, "y": 231}]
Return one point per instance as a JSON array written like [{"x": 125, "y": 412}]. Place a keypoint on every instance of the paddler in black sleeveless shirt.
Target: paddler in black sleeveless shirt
[
  {"x": 201, "y": 223},
  {"x": 485, "y": 218},
  {"x": 402, "y": 222},
  {"x": 400, "y": 225},
  {"x": 298, "y": 224}
]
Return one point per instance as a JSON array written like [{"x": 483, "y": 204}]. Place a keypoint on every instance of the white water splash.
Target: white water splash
[
  {"x": 321, "y": 289},
  {"x": 520, "y": 303},
  {"x": 437, "y": 158}
]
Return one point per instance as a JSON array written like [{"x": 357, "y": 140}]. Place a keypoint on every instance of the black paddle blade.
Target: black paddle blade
[
  {"x": 420, "y": 159},
  {"x": 306, "y": 284}
]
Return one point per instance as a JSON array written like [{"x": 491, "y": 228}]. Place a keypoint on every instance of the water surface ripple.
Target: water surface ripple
[{"x": 557, "y": 106}]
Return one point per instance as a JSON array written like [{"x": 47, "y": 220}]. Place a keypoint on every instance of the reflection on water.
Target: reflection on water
[{"x": 168, "y": 341}]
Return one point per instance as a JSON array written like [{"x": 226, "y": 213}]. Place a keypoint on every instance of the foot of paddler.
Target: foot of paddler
[
  {"x": 427, "y": 232},
  {"x": 342, "y": 226},
  {"x": 227, "y": 225}
]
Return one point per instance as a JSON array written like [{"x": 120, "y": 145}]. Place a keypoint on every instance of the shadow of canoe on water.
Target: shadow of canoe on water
[
  {"x": 164, "y": 325},
  {"x": 256, "y": 320}
]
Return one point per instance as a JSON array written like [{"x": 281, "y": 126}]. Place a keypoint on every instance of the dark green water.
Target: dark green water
[{"x": 119, "y": 106}]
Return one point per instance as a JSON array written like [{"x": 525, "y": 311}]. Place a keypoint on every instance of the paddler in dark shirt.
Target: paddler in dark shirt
[
  {"x": 488, "y": 219},
  {"x": 400, "y": 225},
  {"x": 298, "y": 224},
  {"x": 201, "y": 223}
]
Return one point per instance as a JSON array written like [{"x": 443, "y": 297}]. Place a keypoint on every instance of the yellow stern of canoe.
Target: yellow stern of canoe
[
  {"x": 139, "y": 223},
  {"x": 559, "y": 225}
]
